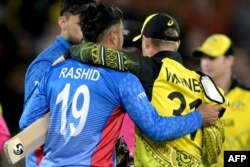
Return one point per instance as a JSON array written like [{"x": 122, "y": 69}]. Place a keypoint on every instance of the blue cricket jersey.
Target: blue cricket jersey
[
  {"x": 86, "y": 114},
  {"x": 42, "y": 62},
  {"x": 34, "y": 74}
]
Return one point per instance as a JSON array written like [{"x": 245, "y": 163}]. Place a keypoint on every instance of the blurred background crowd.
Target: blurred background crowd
[{"x": 29, "y": 26}]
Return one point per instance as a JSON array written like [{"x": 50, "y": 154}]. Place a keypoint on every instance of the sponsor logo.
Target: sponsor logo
[{"x": 18, "y": 149}]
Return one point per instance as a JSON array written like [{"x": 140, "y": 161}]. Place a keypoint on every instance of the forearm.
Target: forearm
[
  {"x": 96, "y": 54},
  {"x": 35, "y": 108},
  {"x": 168, "y": 128},
  {"x": 149, "y": 121},
  {"x": 29, "y": 116}
]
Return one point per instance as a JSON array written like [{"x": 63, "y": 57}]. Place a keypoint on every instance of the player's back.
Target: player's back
[
  {"x": 181, "y": 91},
  {"x": 85, "y": 115}
]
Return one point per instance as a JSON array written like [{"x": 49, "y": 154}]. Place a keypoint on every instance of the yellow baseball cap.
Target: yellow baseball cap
[{"x": 216, "y": 45}]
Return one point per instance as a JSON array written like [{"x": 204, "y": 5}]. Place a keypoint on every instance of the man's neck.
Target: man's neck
[
  {"x": 224, "y": 82},
  {"x": 156, "y": 50}
]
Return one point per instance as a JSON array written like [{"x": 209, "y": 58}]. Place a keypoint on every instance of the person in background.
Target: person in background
[
  {"x": 131, "y": 28},
  {"x": 217, "y": 60},
  {"x": 4, "y": 131},
  {"x": 167, "y": 84},
  {"x": 70, "y": 33},
  {"x": 86, "y": 102}
]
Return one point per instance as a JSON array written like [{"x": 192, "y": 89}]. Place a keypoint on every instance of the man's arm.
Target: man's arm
[
  {"x": 23, "y": 143},
  {"x": 33, "y": 76},
  {"x": 35, "y": 107},
  {"x": 96, "y": 54},
  {"x": 151, "y": 123}
]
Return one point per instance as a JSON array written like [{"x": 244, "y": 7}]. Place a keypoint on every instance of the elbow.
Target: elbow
[
  {"x": 158, "y": 139},
  {"x": 22, "y": 124}
]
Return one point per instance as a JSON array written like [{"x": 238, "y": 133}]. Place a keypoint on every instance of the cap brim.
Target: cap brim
[
  {"x": 198, "y": 52},
  {"x": 136, "y": 38},
  {"x": 201, "y": 51}
]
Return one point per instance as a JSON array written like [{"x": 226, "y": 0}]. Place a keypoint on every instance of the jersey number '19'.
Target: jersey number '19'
[{"x": 80, "y": 114}]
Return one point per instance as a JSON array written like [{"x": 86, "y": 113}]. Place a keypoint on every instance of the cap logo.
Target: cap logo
[{"x": 170, "y": 22}]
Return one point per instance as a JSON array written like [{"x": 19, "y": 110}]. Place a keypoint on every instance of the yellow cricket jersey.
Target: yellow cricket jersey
[
  {"x": 236, "y": 120},
  {"x": 176, "y": 91}
]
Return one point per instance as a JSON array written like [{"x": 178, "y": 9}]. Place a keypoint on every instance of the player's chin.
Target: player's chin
[{"x": 208, "y": 72}]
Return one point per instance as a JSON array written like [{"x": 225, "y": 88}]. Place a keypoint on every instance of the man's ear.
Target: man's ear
[
  {"x": 178, "y": 44},
  {"x": 62, "y": 22},
  {"x": 231, "y": 60},
  {"x": 146, "y": 42},
  {"x": 113, "y": 37}
]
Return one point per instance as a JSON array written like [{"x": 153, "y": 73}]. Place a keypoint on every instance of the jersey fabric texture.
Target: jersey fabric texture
[
  {"x": 43, "y": 61},
  {"x": 168, "y": 84},
  {"x": 34, "y": 74},
  {"x": 236, "y": 120},
  {"x": 86, "y": 114}
]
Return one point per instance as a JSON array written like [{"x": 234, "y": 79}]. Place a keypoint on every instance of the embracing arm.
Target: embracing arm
[
  {"x": 96, "y": 54},
  {"x": 147, "y": 119}
]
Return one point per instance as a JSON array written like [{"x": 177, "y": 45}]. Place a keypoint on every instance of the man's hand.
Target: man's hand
[{"x": 210, "y": 114}]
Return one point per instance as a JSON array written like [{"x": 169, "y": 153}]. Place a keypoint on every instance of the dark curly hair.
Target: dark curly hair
[
  {"x": 73, "y": 6},
  {"x": 96, "y": 18}
]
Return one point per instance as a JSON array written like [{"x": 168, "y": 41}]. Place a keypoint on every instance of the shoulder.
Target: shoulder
[
  {"x": 240, "y": 85},
  {"x": 46, "y": 58},
  {"x": 54, "y": 50},
  {"x": 38, "y": 65},
  {"x": 45, "y": 55},
  {"x": 120, "y": 75},
  {"x": 144, "y": 60},
  {"x": 244, "y": 87},
  {"x": 119, "y": 78}
]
